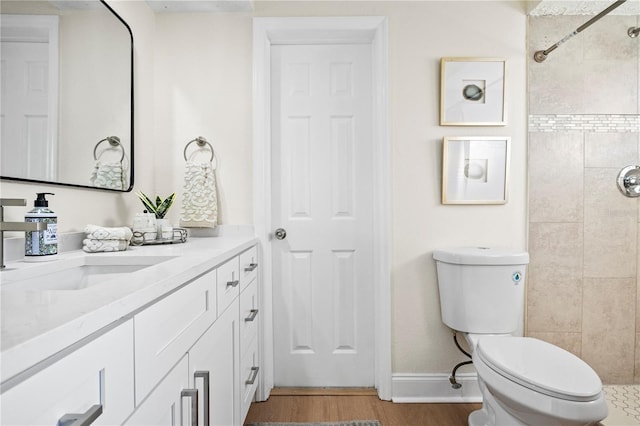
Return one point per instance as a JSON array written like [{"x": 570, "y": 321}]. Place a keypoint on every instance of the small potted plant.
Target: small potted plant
[{"x": 160, "y": 208}]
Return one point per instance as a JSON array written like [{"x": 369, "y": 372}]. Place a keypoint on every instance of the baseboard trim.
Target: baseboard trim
[
  {"x": 434, "y": 388},
  {"x": 322, "y": 391}
]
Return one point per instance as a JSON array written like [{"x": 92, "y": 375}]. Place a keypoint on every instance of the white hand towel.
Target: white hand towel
[
  {"x": 104, "y": 233},
  {"x": 94, "y": 246},
  {"x": 108, "y": 175},
  {"x": 199, "y": 199}
]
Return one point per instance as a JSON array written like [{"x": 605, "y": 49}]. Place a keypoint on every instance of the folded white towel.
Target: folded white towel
[
  {"x": 104, "y": 233},
  {"x": 93, "y": 246},
  {"x": 199, "y": 200},
  {"x": 108, "y": 175}
]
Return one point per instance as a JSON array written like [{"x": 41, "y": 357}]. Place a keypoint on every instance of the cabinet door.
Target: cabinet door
[
  {"x": 99, "y": 374},
  {"x": 165, "y": 331},
  {"x": 249, "y": 315},
  {"x": 214, "y": 359},
  {"x": 249, "y": 370},
  {"x": 228, "y": 283},
  {"x": 165, "y": 405},
  {"x": 248, "y": 267}
]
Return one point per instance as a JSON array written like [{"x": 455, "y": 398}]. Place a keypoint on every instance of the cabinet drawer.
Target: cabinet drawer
[
  {"x": 228, "y": 283},
  {"x": 249, "y": 373},
  {"x": 165, "y": 331},
  {"x": 249, "y": 315},
  {"x": 100, "y": 373},
  {"x": 248, "y": 267}
]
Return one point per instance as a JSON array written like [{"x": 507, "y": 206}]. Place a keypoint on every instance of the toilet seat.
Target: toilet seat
[{"x": 541, "y": 367}]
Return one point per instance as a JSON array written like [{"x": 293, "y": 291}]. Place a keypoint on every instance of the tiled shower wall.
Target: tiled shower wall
[{"x": 584, "y": 127}]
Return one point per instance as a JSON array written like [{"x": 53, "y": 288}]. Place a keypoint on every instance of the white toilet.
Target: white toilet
[{"x": 524, "y": 381}]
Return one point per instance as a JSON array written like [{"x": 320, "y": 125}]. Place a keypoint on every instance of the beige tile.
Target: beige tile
[
  {"x": 610, "y": 227},
  {"x": 554, "y": 306},
  {"x": 608, "y": 328},
  {"x": 611, "y": 86},
  {"x": 555, "y": 251},
  {"x": 556, "y": 168},
  {"x": 571, "y": 342},
  {"x": 610, "y": 248},
  {"x": 604, "y": 40},
  {"x": 636, "y": 378},
  {"x": 555, "y": 85},
  {"x": 614, "y": 150}
]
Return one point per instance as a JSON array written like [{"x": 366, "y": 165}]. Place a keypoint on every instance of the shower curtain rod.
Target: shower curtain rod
[{"x": 541, "y": 55}]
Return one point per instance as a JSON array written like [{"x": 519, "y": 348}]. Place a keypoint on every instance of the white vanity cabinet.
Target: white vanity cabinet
[
  {"x": 210, "y": 327},
  {"x": 189, "y": 356},
  {"x": 96, "y": 379},
  {"x": 214, "y": 371},
  {"x": 165, "y": 406},
  {"x": 249, "y": 325},
  {"x": 166, "y": 330}
]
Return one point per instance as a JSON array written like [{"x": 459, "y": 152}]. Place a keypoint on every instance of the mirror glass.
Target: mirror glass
[{"x": 67, "y": 94}]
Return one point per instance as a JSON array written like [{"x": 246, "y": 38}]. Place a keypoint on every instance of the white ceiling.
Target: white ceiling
[
  {"x": 581, "y": 7},
  {"x": 201, "y": 5},
  {"x": 537, "y": 7}
]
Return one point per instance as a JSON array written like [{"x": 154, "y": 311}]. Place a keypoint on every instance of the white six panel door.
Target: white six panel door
[{"x": 322, "y": 195}]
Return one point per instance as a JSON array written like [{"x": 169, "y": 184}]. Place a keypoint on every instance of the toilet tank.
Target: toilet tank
[{"x": 481, "y": 289}]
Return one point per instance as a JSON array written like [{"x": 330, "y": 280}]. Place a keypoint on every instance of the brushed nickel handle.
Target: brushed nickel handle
[
  {"x": 193, "y": 395},
  {"x": 81, "y": 419},
  {"x": 233, "y": 283},
  {"x": 253, "y": 377},
  {"x": 280, "y": 234},
  {"x": 253, "y": 313},
  {"x": 251, "y": 267},
  {"x": 204, "y": 375}
]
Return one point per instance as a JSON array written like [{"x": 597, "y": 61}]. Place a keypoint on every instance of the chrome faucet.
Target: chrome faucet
[{"x": 15, "y": 226}]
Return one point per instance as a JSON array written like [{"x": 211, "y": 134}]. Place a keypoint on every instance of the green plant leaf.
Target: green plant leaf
[
  {"x": 148, "y": 204},
  {"x": 160, "y": 207},
  {"x": 164, "y": 206}
]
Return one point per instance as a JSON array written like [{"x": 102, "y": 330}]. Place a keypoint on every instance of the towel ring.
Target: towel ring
[
  {"x": 201, "y": 142},
  {"x": 114, "y": 141}
]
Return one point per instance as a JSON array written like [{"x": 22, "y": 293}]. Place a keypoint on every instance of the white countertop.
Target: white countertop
[{"x": 37, "y": 324}]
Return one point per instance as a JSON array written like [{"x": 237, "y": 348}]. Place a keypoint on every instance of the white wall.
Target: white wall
[{"x": 203, "y": 87}]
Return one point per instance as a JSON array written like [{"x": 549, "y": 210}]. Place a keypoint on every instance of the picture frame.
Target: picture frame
[
  {"x": 472, "y": 92},
  {"x": 475, "y": 170}
]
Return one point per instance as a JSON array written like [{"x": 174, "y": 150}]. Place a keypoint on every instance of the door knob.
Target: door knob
[{"x": 280, "y": 234}]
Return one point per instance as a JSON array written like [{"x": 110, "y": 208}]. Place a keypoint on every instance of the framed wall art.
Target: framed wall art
[
  {"x": 472, "y": 92},
  {"x": 475, "y": 170}
]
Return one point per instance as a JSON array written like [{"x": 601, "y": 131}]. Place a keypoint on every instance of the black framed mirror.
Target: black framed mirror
[{"x": 67, "y": 101}]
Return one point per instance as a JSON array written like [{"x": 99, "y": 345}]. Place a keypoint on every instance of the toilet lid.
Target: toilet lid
[{"x": 540, "y": 366}]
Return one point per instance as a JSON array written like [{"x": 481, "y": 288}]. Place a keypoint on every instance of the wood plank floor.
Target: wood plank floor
[{"x": 326, "y": 408}]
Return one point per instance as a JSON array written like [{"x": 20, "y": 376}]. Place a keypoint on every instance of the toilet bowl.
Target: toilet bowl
[{"x": 524, "y": 381}]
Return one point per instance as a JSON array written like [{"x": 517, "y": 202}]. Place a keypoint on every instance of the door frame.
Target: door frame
[{"x": 372, "y": 30}]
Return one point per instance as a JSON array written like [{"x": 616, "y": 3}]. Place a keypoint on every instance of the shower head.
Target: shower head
[{"x": 633, "y": 32}]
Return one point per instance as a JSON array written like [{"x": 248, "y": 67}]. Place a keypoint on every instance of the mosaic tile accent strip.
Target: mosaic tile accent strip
[
  {"x": 625, "y": 398},
  {"x": 580, "y": 123}
]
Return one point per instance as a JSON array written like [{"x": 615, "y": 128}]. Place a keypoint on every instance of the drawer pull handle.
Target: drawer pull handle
[
  {"x": 233, "y": 283},
  {"x": 81, "y": 419},
  {"x": 253, "y": 377},
  {"x": 252, "y": 315},
  {"x": 251, "y": 267},
  {"x": 193, "y": 395},
  {"x": 204, "y": 375}
]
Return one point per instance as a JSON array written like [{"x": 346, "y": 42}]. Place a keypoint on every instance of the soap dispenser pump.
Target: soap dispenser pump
[{"x": 41, "y": 245}]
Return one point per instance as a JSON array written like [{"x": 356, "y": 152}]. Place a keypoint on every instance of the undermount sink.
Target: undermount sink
[{"x": 76, "y": 273}]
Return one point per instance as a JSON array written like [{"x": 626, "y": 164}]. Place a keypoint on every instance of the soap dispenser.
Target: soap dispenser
[{"x": 41, "y": 245}]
